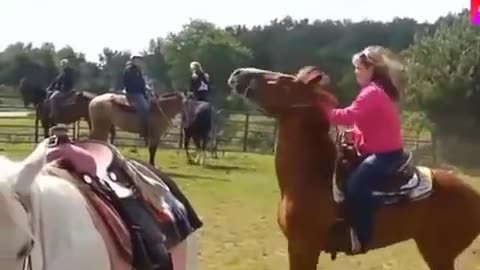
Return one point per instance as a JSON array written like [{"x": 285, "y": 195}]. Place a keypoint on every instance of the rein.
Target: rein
[{"x": 162, "y": 112}]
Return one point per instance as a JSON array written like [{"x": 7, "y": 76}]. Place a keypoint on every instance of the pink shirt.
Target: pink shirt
[{"x": 375, "y": 120}]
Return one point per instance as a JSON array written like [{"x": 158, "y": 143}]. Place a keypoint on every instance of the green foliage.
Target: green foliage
[
  {"x": 444, "y": 76},
  {"x": 156, "y": 66},
  {"x": 217, "y": 50}
]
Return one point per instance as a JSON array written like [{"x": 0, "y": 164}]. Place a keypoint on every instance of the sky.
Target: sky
[{"x": 91, "y": 25}]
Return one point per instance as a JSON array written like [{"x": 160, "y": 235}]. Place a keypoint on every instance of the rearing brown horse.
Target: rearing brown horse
[{"x": 442, "y": 225}]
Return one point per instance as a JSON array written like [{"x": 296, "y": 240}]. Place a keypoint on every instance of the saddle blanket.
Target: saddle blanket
[{"x": 420, "y": 186}]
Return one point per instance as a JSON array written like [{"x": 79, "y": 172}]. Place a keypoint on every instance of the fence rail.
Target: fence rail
[{"x": 244, "y": 132}]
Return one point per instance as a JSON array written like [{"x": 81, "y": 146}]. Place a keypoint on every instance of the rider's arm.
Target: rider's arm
[
  {"x": 368, "y": 98},
  {"x": 127, "y": 78},
  {"x": 68, "y": 80},
  {"x": 193, "y": 83},
  {"x": 55, "y": 82}
]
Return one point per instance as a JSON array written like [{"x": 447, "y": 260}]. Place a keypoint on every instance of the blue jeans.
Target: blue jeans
[
  {"x": 141, "y": 103},
  {"x": 359, "y": 200}
]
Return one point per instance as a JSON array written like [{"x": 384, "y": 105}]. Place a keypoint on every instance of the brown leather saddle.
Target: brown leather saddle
[
  {"x": 349, "y": 159},
  {"x": 67, "y": 99},
  {"x": 60, "y": 102},
  {"x": 103, "y": 171}
]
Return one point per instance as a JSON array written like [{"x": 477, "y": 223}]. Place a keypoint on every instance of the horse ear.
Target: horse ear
[{"x": 310, "y": 75}]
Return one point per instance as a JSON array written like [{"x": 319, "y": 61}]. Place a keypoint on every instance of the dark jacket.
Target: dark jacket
[
  {"x": 196, "y": 82},
  {"x": 133, "y": 80},
  {"x": 64, "y": 82}
]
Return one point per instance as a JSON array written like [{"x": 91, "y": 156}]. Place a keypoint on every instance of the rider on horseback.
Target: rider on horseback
[
  {"x": 199, "y": 82},
  {"x": 376, "y": 124},
  {"x": 61, "y": 86},
  {"x": 136, "y": 91}
]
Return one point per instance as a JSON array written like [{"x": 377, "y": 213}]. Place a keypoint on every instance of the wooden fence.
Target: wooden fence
[{"x": 240, "y": 132}]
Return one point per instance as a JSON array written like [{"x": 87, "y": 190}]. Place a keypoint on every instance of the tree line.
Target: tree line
[{"x": 442, "y": 61}]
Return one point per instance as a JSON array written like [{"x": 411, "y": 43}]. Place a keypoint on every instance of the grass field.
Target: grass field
[{"x": 236, "y": 197}]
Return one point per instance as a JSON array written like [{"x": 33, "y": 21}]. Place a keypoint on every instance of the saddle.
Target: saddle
[
  {"x": 67, "y": 98},
  {"x": 59, "y": 101},
  {"x": 117, "y": 199},
  {"x": 350, "y": 158},
  {"x": 122, "y": 102}
]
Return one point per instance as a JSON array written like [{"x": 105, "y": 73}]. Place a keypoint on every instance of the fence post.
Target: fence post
[
  {"x": 245, "y": 134},
  {"x": 36, "y": 125}
]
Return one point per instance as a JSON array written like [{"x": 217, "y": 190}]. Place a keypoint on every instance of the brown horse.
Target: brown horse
[
  {"x": 442, "y": 224},
  {"x": 73, "y": 108},
  {"x": 110, "y": 110}
]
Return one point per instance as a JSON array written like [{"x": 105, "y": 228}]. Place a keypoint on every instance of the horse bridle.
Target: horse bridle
[
  {"x": 162, "y": 112},
  {"x": 293, "y": 106}
]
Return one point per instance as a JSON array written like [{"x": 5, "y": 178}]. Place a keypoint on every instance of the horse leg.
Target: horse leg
[
  {"x": 204, "y": 148},
  {"x": 302, "y": 258},
  {"x": 437, "y": 257},
  {"x": 196, "y": 141},
  {"x": 152, "y": 149},
  {"x": 186, "y": 144},
  {"x": 89, "y": 125}
]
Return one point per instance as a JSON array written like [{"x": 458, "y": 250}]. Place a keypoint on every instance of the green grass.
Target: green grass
[{"x": 236, "y": 196}]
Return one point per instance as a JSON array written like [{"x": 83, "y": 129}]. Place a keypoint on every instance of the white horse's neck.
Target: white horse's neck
[{"x": 16, "y": 179}]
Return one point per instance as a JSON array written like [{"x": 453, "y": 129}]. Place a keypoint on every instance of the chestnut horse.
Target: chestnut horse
[{"x": 443, "y": 224}]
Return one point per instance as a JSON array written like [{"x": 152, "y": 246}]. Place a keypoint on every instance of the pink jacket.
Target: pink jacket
[{"x": 375, "y": 119}]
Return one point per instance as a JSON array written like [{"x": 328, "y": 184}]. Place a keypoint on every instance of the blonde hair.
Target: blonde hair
[
  {"x": 385, "y": 62},
  {"x": 196, "y": 65}
]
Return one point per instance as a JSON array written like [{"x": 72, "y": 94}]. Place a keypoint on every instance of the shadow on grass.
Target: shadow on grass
[{"x": 195, "y": 176}]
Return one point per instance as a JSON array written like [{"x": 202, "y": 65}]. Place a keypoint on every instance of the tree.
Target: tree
[
  {"x": 112, "y": 64},
  {"x": 444, "y": 76},
  {"x": 218, "y": 51},
  {"x": 156, "y": 67}
]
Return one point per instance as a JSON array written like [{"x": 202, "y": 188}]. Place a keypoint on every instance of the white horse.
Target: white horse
[{"x": 45, "y": 223}]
